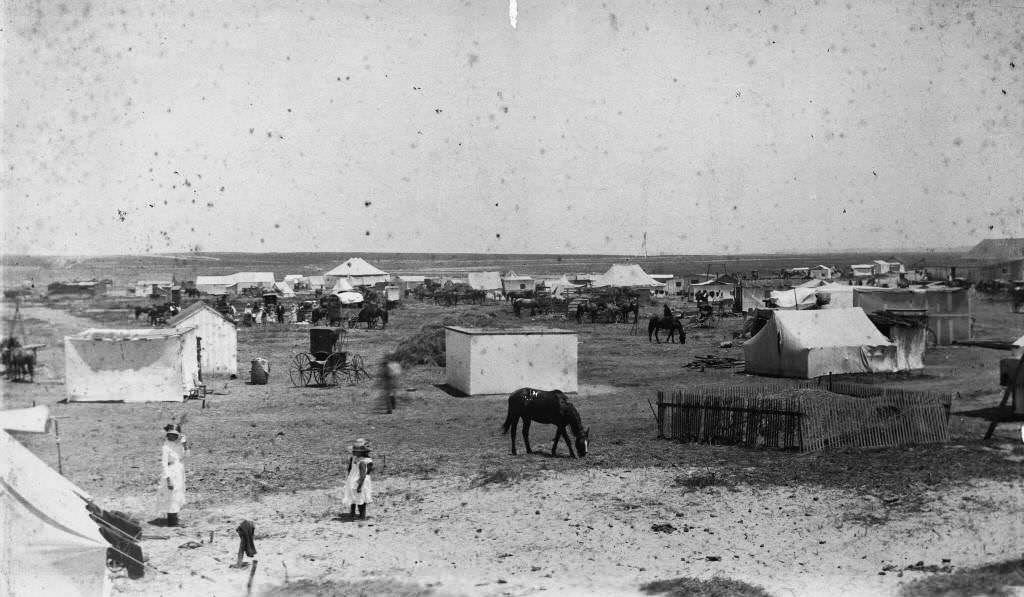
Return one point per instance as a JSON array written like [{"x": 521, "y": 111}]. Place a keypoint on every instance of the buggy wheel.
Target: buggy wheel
[
  {"x": 300, "y": 377},
  {"x": 358, "y": 369}
]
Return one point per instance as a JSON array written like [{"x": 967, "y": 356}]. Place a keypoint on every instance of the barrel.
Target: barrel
[{"x": 260, "y": 371}]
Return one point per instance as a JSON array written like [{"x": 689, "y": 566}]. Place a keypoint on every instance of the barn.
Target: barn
[
  {"x": 216, "y": 336},
  {"x": 131, "y": 365}
]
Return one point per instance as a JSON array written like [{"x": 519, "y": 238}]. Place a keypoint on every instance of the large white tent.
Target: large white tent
[
  {"x": 626, "y": 276},
  {"x": 813, "y": 343},
  {"x": 484, "y": 280},
  {"x": 359, "y": 273},
  {"x": 133, "y": 365},
  {"x": 50, "y": 546},
  {"x": 218, "y": 338}
]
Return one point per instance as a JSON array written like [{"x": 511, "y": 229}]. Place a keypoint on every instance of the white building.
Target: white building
[{"x": 217, "y": 338}]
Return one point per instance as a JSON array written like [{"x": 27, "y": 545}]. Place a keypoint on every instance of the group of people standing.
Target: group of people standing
[
  {"x": 357, "y": 491},
  {"x": 260, "y": 314}
]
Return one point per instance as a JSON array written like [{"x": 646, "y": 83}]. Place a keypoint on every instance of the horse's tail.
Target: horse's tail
[{"x": 509, "y": 418}]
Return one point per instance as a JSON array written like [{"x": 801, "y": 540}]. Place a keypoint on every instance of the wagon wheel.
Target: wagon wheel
[
  {"x": 334, "y": 369},
  {"x": 357, "y": 369},
  {"x": 299, "y": 371}
]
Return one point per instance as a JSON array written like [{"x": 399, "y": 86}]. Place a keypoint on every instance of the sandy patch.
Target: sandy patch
[{"x": 585, "y": 533}]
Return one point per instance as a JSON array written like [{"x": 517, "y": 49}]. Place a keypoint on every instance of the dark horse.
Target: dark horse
[
  {"x": 18, "y": 362},
  {"x": 671, "y": 324},
  {"x": 371, "y": 314},
  {"x": 552, "y": 408},
  {"x": 633, "y": 306},
  {"x": 519, "y": 304}
]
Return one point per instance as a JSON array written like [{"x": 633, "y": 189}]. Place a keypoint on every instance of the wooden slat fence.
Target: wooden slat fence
[{"x": 802, "y": 416}]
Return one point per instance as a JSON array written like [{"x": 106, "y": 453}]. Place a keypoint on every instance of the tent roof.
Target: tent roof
[
  {"x": 626, "y": 276},
  {"x": 59, "y": 548},
  {"x": 126, "y": 334},
  {"x": 214, "y": 280},
  {"x": 342, "y": 285},
  {"x": 1019, "y": 342},
  {"x": 484, "y": 280},
  {"x": 356, "y": 266},
  {"x": 191, "y": 310},
  {"x": 998, "y": 249},
  {"x": 252, "y": 277},
  {"x": 830, "y": 327},
  {"x": 515, "y": 276}
]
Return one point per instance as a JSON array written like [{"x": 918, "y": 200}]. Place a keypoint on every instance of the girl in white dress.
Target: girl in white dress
[
  {"x": 358, "y": 485},
  {"x": 171, "y": 490}
]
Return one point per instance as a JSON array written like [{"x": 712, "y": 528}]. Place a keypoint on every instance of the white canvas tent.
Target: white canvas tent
[
  {"x": 285, "y": 289},
  {"x": 484, "y": 280},
  {"x": 626, "y": 276},
  {"x": 801, "y": 297},
  {"x": 840, "y": 296},
  {"x": 806, "y": 344},
  {"x": 560, "y": 286},
  {"x": 359, "y": 272},
  {"x": 342, "y": 285},
  {"x": 50, "y": 546},
  {"x": 134, "y": 365}
]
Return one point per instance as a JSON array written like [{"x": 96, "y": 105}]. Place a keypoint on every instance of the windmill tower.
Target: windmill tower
[{"x": 643, "y": 246}]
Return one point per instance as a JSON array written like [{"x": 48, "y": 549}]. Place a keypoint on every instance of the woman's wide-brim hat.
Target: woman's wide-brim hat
[
  {"x": 171, "y": 428},
  {"x": 360, "y": 445}
]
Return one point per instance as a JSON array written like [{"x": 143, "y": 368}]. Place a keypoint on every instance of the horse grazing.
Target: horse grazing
[
  {"x": 671, "y": 324},
  {"x": 371, "y": 315},
  {"x": 551, "y": 408}
]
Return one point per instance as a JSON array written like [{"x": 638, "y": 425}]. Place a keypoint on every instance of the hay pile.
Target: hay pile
[{"x": 426, "y": 347}]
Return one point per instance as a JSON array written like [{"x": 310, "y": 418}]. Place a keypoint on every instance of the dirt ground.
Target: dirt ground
[{"x": 456, "y": 514}]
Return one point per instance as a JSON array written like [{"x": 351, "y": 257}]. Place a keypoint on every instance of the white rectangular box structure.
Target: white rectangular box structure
[{"x": 500, "y": 361}]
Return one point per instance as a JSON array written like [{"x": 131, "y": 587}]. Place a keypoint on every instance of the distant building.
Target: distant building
[
  {"x": 668, "y": 280},
  {"x": 153, "y": 284},
  {"x": 821, "y": 272},
  {"x": 997, "y": 250},
  {"x": 885, "y": 268},
  {"x": 861, "y": 271},
  {"x": 77, "y": 289},
  {"x": 1006, "y": 271},
  {"x": 513, "y": 282}
]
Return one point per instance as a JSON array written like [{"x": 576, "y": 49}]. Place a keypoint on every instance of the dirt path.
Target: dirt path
[{"x": 586, "y": 533}]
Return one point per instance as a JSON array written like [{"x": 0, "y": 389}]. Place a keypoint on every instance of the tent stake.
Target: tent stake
[{"x": 56, "y": 432}]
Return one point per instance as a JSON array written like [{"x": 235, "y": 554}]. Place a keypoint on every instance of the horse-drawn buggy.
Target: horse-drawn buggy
[{"x": 326, "y": 363}]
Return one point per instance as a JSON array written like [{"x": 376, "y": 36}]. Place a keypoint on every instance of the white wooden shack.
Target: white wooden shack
[
  {"x": 499, "y": 361},
  {"x": 217, "y": 337}
]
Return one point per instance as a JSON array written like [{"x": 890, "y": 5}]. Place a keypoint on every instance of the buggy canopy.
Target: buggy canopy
[{"x": 812, "y": 343}]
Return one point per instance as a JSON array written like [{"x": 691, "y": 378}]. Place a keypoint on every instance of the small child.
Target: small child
[{"x": 358, "y": 485}]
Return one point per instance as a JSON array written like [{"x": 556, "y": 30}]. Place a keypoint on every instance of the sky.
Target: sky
[{"x": 714, "y": 127}]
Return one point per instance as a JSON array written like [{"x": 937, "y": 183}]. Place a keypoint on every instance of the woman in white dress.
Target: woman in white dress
[
  {"x": 358, "y": 485},
  {"x": 171, "y": 490}
]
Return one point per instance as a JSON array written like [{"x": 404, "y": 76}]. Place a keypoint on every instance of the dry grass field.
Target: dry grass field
[{"x": 457, "y": 514}]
